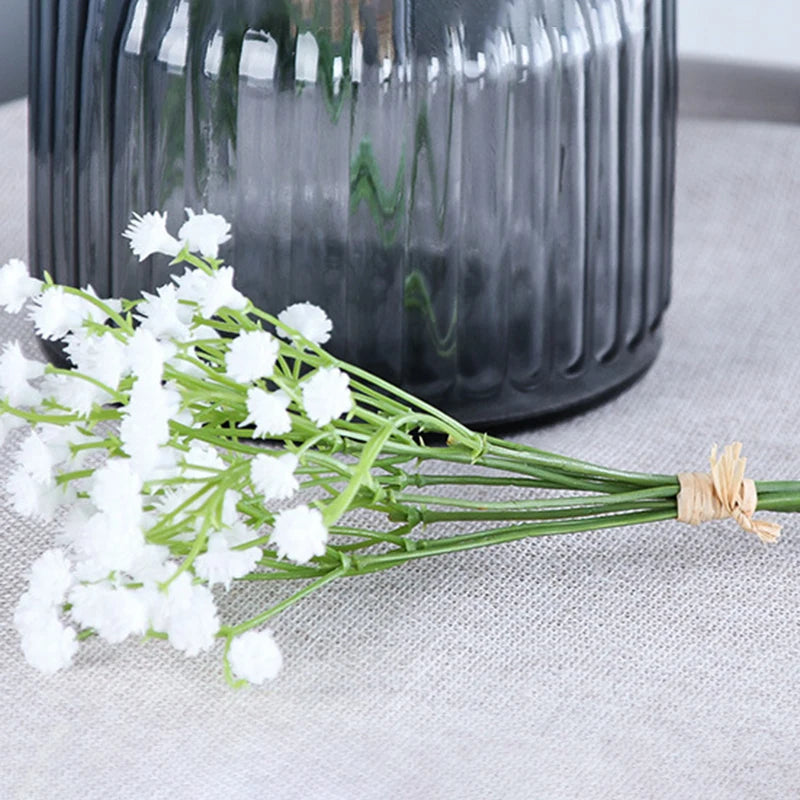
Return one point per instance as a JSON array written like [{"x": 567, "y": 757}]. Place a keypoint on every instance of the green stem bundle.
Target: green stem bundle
[{"x": 397, "y": 462}]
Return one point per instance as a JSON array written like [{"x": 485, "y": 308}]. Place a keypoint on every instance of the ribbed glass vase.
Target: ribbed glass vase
[{"x": 479, "y": 192}]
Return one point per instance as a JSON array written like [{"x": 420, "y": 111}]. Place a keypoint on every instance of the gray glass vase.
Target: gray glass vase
[{"x": 479, "y": 192}]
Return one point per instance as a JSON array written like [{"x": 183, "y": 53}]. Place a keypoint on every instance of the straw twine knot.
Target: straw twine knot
[{"x": 723, "y": 493}]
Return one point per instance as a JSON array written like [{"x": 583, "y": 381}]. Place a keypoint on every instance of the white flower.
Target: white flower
[
  {"x": 105, "y": 544},
  {"x": 16, "y": 286},
  {"x": 210, "y": 292},
  {"x": 32, "y": 499},
  {"x": 13, "y": 361},
  {"x": 221, "y": 564},
  {"x": 37, "y": 459},
  {"x": 93, "y": 312},
  {"x": 59, "y": 438},
  {"x": 53, "y": 313},
  {"x": 149, "y": 235},
  {"x": 46, "y": 644},
  {"x": 150, "y": 460},
  {"x": 174, "y": 498},
  {"x": 145, "y": 355},
  {"x": 85, "y": 309},
  {"x": 116, "y": 491},
  {"x": 267, "y": 411},
  {"x": 71, "y": 391},
  {"x": 310, "y": 321},
  {"x": 50, "y": 578},
  {"x": 115, "y": 613},
  {"x": 188, "y": 616},
  {"x": 32, "y": 613},
  {"x": 50, "y": 646},
  {"x": 145, "y": 427},
  {"x": 273, "y": 477},
  {"x": 152, "y": 565},
  {"x": 252, "y": 355},
  {"x": 254, "y": 656},
  {"x": 237, "y": 533},
  {"x": 103, "y": 358},
  {"x": 204, "y": 233},
  {"x": 8, "y": 423},
  {"x": 163, "y": 315},
  {"x": 299, "y": 534},
  {"x": 56, "y": 312},
  {"x": 192, "y": 287},
  {"x": 230, "y": 515},
  {"x": 222, "y": 294},
  {"x": 77, "y": 516},
  {"x": 200, "y": 332},
  {"x": 15, "y": 372},
  {"x": 203, "y": 459},
  {"x": 326, "y": 395},
  {"x": 161, "y": 465}
]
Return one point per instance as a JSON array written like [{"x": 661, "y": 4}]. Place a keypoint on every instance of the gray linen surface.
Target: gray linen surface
[{"x": 658, "y": 662}]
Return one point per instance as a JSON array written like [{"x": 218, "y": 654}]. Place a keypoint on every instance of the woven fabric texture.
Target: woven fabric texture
[{"x": 659, "y": 662}]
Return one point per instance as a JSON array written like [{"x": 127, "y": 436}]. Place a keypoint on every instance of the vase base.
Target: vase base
[{"x": 555, "y": 397}]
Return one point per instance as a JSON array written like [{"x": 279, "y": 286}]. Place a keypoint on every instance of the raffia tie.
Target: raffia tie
[{"x": 723, "y": 493}]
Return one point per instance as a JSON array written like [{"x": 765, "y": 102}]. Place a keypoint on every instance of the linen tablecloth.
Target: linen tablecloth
[{"x": 659, "y": 662}]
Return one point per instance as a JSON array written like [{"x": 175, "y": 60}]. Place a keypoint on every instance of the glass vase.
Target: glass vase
[{"x": 479, "y": 192}]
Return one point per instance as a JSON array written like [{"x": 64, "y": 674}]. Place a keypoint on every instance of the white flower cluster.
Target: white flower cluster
[
  {"x": 47, "y": 644},
  {"x": 201, "y": 233},
  {"x": 150, "y": 491}
]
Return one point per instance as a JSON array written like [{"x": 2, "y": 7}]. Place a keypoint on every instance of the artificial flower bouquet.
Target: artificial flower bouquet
[{"x": 197, "y": 440}]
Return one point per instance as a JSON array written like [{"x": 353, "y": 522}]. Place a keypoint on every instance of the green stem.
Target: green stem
[
  {"x": 767, "y": 487},
  {"x": 362, "y": 474},
  {"x": 38, "y": 419},
  {"x": 420, "y": 480},
  {"x": 591, "y": 501},
  {"x": 437, "y": 547},
  {"x": 784, "y": 502},
  {"x": 428, "y": 516},
  {"x": 573, "y": 466}
]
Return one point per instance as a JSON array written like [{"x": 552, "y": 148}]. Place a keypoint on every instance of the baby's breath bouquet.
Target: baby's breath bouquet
[{"x": 197, "y": 440}]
